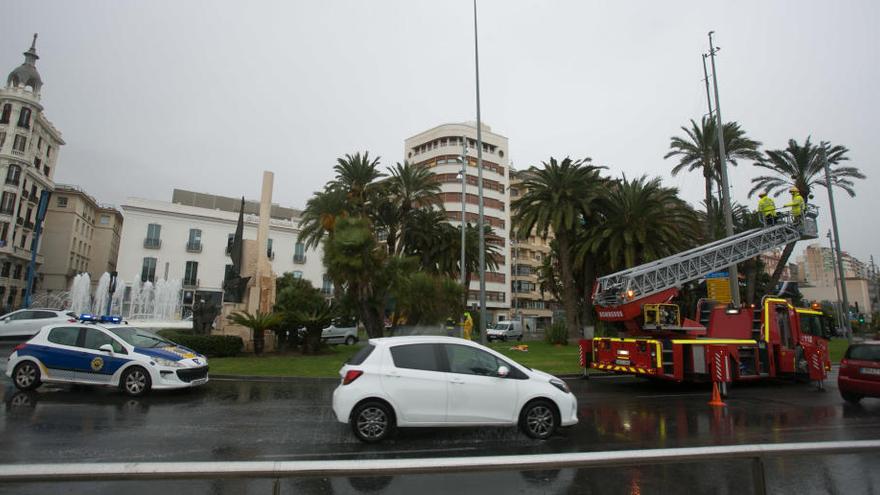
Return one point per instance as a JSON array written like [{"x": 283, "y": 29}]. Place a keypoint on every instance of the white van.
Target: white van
[{"x": 505, "y": 330}]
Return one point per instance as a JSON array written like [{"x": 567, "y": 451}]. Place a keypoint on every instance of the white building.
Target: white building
[
  {"x": 29, "y": 146},
  {"x": 440, "y": 149},
  {"x": 188, "y": 239}
]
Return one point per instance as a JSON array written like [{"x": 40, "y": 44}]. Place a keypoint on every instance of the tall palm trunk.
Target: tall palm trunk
[
  {"x": 569, "y": 292},
  {"x": 780, "y": 267},
  {"x": 589, "y": 280}
]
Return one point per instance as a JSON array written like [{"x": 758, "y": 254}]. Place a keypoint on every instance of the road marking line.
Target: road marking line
[{"x": 325, "y": 454}]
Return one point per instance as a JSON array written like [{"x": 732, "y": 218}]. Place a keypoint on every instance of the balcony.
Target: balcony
[
  {"x": 193, "y": 247},
  {"x": 18, "y": 153},
  {"x": 18, "y": 220},
  {"x": 270, "y": 254},
  {"x": 299, "y": 259},
  {"x": 151, "y": 243},
  {"x": 13, "y": 181},
  {"x": 32, "y": 198},
  {"x": 29, "y": 225},
  {"x": 191, "y": 283},
  {"x": 7, "y": 211}
]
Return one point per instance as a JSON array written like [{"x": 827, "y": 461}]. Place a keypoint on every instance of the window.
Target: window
[
  {"x": 4, "y": 232},
  {"x": 864, "y": 352},
  {"x": 24, "y": 118},
  {"x": 230, "y": 238},
  {"x": 811, "y": 324},
  {"x": 299, "y": 253},
  {"x": 48, "y": 152},
  {"x": 327, "y": 285},
  {"x": 416, "y": 357},
  {"x": 191, "y": 273},
  {"x": 269, "y": 251},
  {"x": 13, "y": 175},
  {"x": 7, "y": 267},
  {"x": 297, "y": 274},
  {"x": 104, "y": 220},
  {"x": 16, "y": 272},
  {"x": 194, "y": 243},
  {"x": 7, "y": 111},
  {"x": 361, "y": 355},
  {"x": 61, "y": 202},
  {"x": 95, "y": 339},
  {"x": 148, "y": 270},
  {"x": 43, "y": 315},
  {"x": 19, "y": 143},
  {"x": 471, "y": 361},
  {"x": 64, "y": 335},
  {"x": 153, "y": 241},
  {"x": 2, "y": 139},
  {"x": 7, "y": 203}
]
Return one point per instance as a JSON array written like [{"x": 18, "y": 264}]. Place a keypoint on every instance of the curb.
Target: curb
[{"x": 258, "y": 378}]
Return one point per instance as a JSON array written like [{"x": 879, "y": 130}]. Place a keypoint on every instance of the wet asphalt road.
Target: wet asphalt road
[{"x": 230, "y": 420}]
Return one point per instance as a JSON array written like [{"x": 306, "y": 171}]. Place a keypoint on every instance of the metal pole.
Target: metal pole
[
  {"x": 463, "y": 210},
  {"x": 35, "y": 245},
  {"x": 480, "y": 222},
  {"x": 836, "y": 281},
  {"x": 725, "y": 185},
  {"x": 706, "y": 79},
  {"x": 828, "y": 185}
]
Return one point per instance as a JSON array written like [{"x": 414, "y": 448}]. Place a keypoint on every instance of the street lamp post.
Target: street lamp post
[
  {"x": 480, "y": 221},
  {"x": 836, "y": 283},
  {"x": 725, "y": 185},
  {"x": 829, "y": 185},
  {"x": 463, "y": 211}
]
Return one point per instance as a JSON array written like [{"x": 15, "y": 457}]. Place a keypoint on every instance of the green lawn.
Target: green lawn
[
  {"x": 836, "y": 348},
  {"x": 545, "y": 357}
]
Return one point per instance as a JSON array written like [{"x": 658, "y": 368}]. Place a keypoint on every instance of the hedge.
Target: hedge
[{"x": 209, "y": 345}]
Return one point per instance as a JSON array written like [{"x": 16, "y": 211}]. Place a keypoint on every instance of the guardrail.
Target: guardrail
[{"x": 444, "y": 465}]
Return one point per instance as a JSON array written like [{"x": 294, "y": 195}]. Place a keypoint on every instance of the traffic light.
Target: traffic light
[{"x": 861, "y": 318}]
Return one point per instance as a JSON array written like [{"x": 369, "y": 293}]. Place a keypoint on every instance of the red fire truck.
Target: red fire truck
[{"x": 721, "y": 343}]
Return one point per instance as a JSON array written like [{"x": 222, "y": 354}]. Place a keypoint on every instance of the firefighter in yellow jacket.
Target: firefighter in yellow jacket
[
  {"x": 767, "y": 208},
  {"x": 797, "y": 204}
]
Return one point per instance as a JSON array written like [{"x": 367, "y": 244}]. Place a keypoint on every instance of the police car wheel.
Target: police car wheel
[
  {"x": 135, "y": 381},
  {"x": 26, "y": 375}
]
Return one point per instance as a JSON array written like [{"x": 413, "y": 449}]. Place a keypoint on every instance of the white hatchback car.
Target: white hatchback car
[
  {"x": 446, "y": 381},
  {"x": 133, "y": 359}
]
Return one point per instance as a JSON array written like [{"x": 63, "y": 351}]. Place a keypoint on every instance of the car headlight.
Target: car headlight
[
  {"x": 560, "y": 385},
  {"x": 167, "y": 362}
]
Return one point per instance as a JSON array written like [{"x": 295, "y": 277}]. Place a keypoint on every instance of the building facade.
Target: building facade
[
  {"x": 440, "y": 149},
  {"x": 79, "y": 236},
  {"x": 817, "y": 267},
  {"x": 29, "y": 146},
  {"x": 527, "y": 255},
  {"x": 189, "y": 238}
]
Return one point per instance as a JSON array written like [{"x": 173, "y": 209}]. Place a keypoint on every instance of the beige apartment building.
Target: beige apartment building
[
  {"x": 79, "y": 236},
  {"x": 527, "y": 255},
  {"x": 29, "y": 146},
  {"x": 441, "y": 149},
  {"x": 817, "y": 268}
]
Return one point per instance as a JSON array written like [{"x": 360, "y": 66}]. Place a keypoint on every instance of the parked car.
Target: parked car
[
  {"x": 859, "y": 374},
  {"x": 341, "y": 332},
  {"x": 505, "y": 330},
  {"x": 133, "y": 359},
  {"x": 24, "y": 323},
  {"x": 445, "y": 381}
]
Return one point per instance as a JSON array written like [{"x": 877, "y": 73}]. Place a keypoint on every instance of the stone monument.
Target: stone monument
[{"x": 249, "y": 285}]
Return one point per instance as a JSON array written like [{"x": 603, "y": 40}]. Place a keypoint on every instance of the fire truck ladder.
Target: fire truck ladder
[{"x": 673, "y": 271}]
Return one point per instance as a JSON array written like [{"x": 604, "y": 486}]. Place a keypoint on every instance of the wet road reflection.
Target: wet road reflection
[{"x": 292, "y": 420}]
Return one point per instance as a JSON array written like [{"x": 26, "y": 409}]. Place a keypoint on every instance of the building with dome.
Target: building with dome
[{"x": 29, "y": 146}]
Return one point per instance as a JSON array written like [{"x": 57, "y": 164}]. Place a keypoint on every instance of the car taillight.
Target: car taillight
[
  {"x": 843, "y": 363},
  {"x": 351, "y": 375}
]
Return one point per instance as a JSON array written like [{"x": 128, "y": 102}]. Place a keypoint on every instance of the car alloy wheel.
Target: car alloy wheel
[
  {"x": 135, "y": 381},
  {"x": 539, "y": 420},
  {"x": 372, "y": 422},
  {"x": 27, "y": 376}
]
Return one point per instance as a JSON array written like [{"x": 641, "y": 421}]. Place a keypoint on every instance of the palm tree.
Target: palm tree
[
  {"x": 258, "y": 322},
  {"x": 699, "y": 151},
  {"x": 558, "y": 198},
  {"x": 320, "y": 214},
  {"x": 409, "y": 188},
  {"x": 355, "y": 174},
  {"x": 640, "y": 221},
  {"x": 800, "y": 166}
]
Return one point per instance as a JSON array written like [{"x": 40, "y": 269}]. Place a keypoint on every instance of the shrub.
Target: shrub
[
  {"x": 209, "y": 345},
  {"x": 556, "y": 333}
]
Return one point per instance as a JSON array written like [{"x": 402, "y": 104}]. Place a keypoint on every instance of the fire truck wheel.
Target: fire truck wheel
[{"x": 851, "y": 397}]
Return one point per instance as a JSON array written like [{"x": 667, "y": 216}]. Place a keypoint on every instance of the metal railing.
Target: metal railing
[
  {"x": 193, "y": 247},
  {"x": 379, "y": 467},
  {"x": 152, "y": 243}
]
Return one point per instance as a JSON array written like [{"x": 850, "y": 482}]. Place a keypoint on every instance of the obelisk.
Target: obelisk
[{"x": 262, "y": 296}]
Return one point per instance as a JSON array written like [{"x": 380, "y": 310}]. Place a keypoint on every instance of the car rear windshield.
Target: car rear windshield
[
  {"x": 361, "y": 355},
  {"x": 864, "y": 353}
]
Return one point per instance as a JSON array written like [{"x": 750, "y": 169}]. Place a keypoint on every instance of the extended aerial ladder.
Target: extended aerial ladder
[{"x": 656, "y": 278}]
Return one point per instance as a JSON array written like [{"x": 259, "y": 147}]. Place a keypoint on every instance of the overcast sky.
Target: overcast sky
[{"x": 204, "y": 95}]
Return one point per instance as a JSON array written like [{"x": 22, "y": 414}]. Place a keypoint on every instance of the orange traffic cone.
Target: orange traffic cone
[{"x": 716, "y": 396}]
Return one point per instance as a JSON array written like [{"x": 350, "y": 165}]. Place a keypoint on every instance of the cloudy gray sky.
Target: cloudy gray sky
[{"x": 206, "y": 94}]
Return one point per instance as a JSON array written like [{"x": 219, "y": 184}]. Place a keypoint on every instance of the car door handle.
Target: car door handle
[
  {"x": 392, "y": 374},
  {"x": 457, "y": 381}
]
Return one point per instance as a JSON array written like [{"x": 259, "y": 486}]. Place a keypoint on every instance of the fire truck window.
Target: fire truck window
[
  {"x": 811, "y": 325},
  {"x": 784, "y": 327}
]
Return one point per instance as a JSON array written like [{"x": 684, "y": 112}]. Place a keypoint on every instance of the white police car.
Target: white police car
[{"x": 104, "y": 351}]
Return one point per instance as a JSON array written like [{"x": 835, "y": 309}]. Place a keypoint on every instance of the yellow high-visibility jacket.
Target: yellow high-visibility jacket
[
  {"x": 797, "y": 205},
  {"x": 766, "y": 206}
]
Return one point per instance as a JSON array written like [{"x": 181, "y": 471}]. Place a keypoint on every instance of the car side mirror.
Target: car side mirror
[
  {"x": 106, "y": 348},
  {"x": 503, "y": 371}
]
